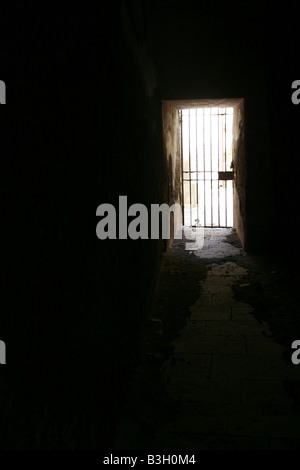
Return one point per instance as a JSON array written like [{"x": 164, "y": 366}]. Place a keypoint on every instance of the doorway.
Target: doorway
[
  {"x": 205, "y": 156},
  {"x": 207, "y": 166}
]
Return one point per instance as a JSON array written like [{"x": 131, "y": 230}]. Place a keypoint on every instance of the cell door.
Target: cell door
[{"x": 206, "y": 163}]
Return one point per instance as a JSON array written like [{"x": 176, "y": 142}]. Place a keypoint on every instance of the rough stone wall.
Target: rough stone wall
[
  {"x": 238, "y": 152},
  {"x": 86, "y": 129},
  {"x": 259, "y": 204},
  {"x": 171, "y": 136}
]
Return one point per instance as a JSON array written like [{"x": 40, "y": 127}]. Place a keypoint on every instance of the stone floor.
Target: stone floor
[{"x": 212, "y": 375}]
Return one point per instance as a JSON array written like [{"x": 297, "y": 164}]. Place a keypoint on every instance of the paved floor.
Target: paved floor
[{"x": 220, "y": 383}]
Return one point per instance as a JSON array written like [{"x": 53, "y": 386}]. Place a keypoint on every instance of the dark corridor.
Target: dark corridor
[{"x": 89, "y": 117}]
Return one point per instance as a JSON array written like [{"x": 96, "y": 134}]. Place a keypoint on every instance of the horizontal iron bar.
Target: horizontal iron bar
[{"x": 213, "y": 114}]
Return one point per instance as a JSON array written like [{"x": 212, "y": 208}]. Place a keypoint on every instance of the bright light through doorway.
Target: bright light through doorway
[{"x": 207, "y": 171}]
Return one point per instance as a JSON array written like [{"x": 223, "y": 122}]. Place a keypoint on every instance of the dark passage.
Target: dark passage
[{"x": 91, "y": 115}]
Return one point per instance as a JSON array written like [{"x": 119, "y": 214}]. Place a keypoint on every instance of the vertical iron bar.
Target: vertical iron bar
[
  {"x": 218, "y": 167},
  {"x": 204, "y": 178},
  {"x": 197, "y": 174},
  {"x": 225, "y": 170},
  {"x": 181, "y": 152},
  {"x": 211, "y": 173},
  {"x": 190, "y": 175},
  {"x": 232, "y": 183}
]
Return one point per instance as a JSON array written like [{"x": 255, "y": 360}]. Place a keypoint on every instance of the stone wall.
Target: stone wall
[
  {"x": 87, "y": 130},
  {"x": 171, "y": 137},
  {"x": 238, "y": 152}
]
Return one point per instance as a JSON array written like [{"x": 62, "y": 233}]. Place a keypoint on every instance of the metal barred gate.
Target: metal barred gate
[{"x": 206, "y": 164}]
